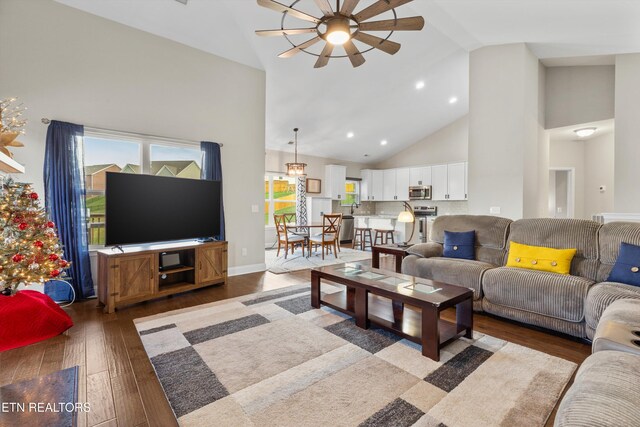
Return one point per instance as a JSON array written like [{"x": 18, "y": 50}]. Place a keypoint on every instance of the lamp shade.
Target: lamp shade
[{"x": 406, "y": 216}]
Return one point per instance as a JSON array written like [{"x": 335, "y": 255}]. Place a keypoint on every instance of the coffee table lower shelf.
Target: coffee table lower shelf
[{"x": 407, "y": 323}]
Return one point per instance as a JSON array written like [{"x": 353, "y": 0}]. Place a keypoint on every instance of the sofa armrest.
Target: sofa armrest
[
  {"x": 602, "y": 295},
  {"x": 426, "y": 250}
]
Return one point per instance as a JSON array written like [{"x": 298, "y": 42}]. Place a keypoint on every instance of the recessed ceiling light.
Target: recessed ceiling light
[
  {"x": 350, "y": 135},
  {"x": 453, "y": 100},
  {"x": 384, "y": 142},
  {"x": 585, "y": 132},
  {"x": 420, "y": 85}
]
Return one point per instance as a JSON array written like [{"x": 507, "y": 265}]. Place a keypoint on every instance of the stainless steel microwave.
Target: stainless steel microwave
[{"x": 420, "y": 192}]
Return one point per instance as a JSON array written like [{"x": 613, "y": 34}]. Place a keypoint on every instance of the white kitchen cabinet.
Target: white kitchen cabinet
[
  {"x": 403, "y": 180},
  {"x": 420, "y": 175},
  {"x": 335, "y": 181},
  {"x": 316, "y": 207},
  {"x": 456, "y": 181},
  {"x": 439, "y": 179},
  {"x": 365, "y": 185},
  {"x": 389, "y": 185},
  {"x": 376, "y": 190}
]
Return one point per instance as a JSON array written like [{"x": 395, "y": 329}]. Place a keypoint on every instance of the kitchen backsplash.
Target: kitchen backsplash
[{"x": 394, "y": 208}]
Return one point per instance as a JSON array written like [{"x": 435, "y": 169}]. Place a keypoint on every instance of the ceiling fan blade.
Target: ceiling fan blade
[
  {"x": 279, "y": 7},
  {"x": 348, "y": 6},
  {"x": 324, "y": 56},
  {"x": 382, "y": 44},
  {"x": 377, "y": 8},
  {"x": 414, "y": 23},
  {"x": 325, "y": 7},
  {"x": 355, "y": 56},
  {"x": 291, "y": 31},
  {"x": 295, "y": 50}
]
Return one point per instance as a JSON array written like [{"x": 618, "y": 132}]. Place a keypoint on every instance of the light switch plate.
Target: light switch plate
[
  {"x": 494, "y": 209},
  {"x": 255, "y": 209}
]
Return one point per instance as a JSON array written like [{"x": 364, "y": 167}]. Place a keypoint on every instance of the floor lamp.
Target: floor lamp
[{"x": 407, "y": 216}]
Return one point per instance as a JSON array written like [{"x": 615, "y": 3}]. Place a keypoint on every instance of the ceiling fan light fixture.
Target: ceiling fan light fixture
[{"x": 338, "y": 31}]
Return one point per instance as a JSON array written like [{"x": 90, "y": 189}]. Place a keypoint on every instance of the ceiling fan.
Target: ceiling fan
[{"x": 341, "y": 27}]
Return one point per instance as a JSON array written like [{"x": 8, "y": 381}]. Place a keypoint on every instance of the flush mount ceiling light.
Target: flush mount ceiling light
[
  {"x": 453, "y": 100},
  {"x": 585, "y": 132},
  {"x": 295, "y": 168},
  {"x": 341, "y": 27},
  {"x": 350, "y": 135},
  {"x": 384, "y": 142},
  {"x": 420, "y": 85}
]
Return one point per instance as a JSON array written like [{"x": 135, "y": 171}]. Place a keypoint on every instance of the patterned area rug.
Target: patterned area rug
[
  {"x": 296, "y": 262},
  {"x": 269, "y": 359}
]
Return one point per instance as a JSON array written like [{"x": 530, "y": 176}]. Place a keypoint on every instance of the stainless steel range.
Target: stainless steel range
[{"x": 425, "y": 215}]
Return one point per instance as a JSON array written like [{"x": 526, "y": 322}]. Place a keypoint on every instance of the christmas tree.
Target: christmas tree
[{"x": 29, "y": 248}]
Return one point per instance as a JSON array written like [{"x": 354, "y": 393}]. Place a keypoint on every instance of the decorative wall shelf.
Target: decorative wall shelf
[{"x": 8, "y": 165}]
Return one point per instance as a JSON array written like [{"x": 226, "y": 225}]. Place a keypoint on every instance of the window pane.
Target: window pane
[
  {"x": 266, "y": 188},
  {"x": 284, "y": 188},
  {"x": 103, "y": 155},
  {"x": 267, "y": 215},
  {"x": 180, "y": 162}
]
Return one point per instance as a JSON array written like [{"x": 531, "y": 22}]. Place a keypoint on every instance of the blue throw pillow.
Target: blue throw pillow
[
  {"x": 627, "y": 267},
  {"x": 459, "y": 244}
]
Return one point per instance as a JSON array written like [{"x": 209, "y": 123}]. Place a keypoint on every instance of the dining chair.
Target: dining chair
[
  {"x": 339, "y": 231},
  {"x": 285, "y": 237},
  {"x": 329, "y": 237}
]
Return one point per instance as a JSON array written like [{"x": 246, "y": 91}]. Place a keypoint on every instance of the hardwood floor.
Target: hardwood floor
[{"x": 117, "y": 379}]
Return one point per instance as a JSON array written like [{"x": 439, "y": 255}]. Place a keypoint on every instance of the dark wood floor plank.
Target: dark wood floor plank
[{"x": 100, "y": 395}]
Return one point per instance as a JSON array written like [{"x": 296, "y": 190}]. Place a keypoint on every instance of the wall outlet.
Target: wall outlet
[
  {"x": 255, "y": 209},
  {"x": 559, "y": 209},
  {"x": 244, "y": 251},
  {"x": 494, "y": 210}
]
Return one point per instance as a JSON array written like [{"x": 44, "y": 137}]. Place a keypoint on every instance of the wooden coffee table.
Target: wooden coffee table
[
  {"x": 378, "y": 297},
  {"x": 395, "y": 250}
]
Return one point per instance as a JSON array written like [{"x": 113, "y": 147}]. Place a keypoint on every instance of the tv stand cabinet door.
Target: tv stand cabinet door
[
  {"x": 212, "y": 263},
  {"x": 134, "y": 277}
]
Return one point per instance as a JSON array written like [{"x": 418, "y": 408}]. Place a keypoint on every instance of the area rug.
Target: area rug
[
  {"x": 269, "y": 359},
  {"x": 296, "y": 262}
]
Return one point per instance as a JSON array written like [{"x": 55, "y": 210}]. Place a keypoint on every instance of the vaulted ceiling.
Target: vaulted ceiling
[{"x": 379, "y": 100}]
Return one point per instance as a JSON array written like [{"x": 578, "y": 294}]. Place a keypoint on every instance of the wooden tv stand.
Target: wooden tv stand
[{"x": 135, "y": 275}]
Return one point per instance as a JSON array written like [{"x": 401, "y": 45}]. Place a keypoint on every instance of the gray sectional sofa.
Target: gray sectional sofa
[{"x": 571, "y": 304}]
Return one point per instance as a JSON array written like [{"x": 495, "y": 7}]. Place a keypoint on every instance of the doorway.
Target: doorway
[{"x": 562, "y": 197}]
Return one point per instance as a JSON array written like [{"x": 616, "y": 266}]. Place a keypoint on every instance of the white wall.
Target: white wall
[
  {"x": 627, "y": 148},
  {"x": 571, "y": 154},
  {"x": 599, "y": 170},
  {"x": 68, "y": 65},
  {"x": 593, "y": 161},
  {"x": 579, "y": 94},
  {"x": 504, "y": 124},
  {"x": 447, "y": 145}
]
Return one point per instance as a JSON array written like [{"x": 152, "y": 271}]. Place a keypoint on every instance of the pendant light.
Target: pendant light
[{"x": 295, "y": 168}]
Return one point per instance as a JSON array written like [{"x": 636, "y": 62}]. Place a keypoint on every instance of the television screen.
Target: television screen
[{"x": 147, "y": 208}]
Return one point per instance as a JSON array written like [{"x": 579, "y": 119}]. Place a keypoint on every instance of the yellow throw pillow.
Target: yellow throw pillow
[{"x": 540, "y": 258}]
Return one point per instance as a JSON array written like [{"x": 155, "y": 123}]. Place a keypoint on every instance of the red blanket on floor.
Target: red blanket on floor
[{"x": 28, "y": 317}]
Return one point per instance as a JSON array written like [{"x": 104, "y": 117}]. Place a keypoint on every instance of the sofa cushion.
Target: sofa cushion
[
  {"x": 548, "y": 294},
  {"x": 462, "y": 272},
  {"x": 627, "y": 267},
  {"x": 562, "y": 233},
  {"x": 540, "y": 258},
  {"x": 605, "y": 392},
  {"x": 491, "y": 234},
  {"x": 601, "y": 295},
  {"x": 459, "y": 244},
  {"x": 426, "y": 250},
  {"x": 617, "y": 326},
  {"x": 609, "y": 238}
]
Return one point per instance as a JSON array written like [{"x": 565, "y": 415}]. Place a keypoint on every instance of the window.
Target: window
[
  {"x": 129, "y": 153},
  {"x": 279, "y": 196},
  {"x": 351, "y": 193}
]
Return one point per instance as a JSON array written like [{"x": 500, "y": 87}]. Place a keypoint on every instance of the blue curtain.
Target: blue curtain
[
  {"x": 65, "y": 200},
  {"x": 212, "y": 170}
]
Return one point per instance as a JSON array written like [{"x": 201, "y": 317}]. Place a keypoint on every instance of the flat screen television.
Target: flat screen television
[{"x": 147, "y": 208}]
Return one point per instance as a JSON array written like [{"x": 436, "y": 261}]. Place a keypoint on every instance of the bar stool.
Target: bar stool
[
  {"x": 360, "y": 238},
  {"x": 383, "y": 234}
]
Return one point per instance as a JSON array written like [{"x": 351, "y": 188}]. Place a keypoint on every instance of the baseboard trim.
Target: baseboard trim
[{"x": 246, "y": 269}]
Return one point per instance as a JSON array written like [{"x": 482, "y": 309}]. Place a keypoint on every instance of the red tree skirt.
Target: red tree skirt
[{"x": 28, "y": 317}]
